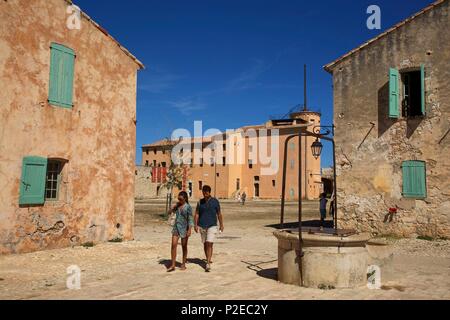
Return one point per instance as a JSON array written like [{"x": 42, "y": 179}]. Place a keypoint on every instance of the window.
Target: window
[
  {"x": 224, "y": 147},
  {"x": 62, "y": 61},
  {"x": 224, "y": 161},
  {"x": 292, "y": 193},
  {"x": 146, "y": 152},
  {"x": 217, "y": 174},
  {"x": 238, "y": 184},
  {"x": 201, "y": 162},
  {"x": 414, "y": 179},
  {"x": 154, "y": 163},
  {"x": 53, "y": 180},
  {"x": 200, "y": 185},
  {"x": 250, "y": 164},
  {"x": 40, "y": 180},
  {"x": 212, "y": 162},
  {"x": 413, "y": 92},
  {"x": 256, "y": 178},
  {"x": 146, "y": 163},
  {"x": 163, "y": 164},
  {"x": 154, "y": 151},
  {"x": 273, "y": 183},
  {"x": 292, "y": 145}
]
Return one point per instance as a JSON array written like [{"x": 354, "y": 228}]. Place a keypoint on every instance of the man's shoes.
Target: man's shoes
[{"x": 208, "y": 267}]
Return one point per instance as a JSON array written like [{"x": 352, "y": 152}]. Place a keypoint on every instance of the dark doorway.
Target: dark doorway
[
  {"x": 190, "y": 189},
  {"x": 256, "y": 190}
]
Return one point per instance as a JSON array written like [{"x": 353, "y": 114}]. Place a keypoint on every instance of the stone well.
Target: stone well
[{"x": 329, "y": 261}]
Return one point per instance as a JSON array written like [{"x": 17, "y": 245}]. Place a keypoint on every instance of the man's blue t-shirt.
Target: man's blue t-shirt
[{"x": 207, "y": 212}]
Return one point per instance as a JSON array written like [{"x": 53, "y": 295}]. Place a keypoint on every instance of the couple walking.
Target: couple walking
[{"x": 204, "y": 221}]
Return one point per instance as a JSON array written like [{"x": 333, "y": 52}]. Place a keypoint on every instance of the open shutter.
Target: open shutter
[
  {"x": 393, "y": 93},
  {"x": 414, "y": 179},
  {"x": 62, "y": 63},
  {"x": 422, "y": 87},
  {"x": 32, "y": 183}
]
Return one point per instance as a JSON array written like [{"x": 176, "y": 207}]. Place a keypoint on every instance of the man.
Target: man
[
  {"x": 323, "y": 209},
  {"x": 244, "y": 196},
  {"x": 205, "y": 220}
]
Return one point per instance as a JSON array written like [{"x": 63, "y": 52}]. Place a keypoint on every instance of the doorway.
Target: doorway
[{"x": 256, "y": 190}]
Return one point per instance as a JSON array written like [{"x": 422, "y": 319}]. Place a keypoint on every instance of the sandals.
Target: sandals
[{"x": 171, "y": 269}]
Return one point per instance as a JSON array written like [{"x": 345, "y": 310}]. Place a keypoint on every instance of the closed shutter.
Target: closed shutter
[
  {"x": 422, "y": 87},
  {"x": 32, "y": 184},
  {"x": 414, "y": 179},
  {"x": 393, "y": 93},
  {"x": 62, "y": 61}
]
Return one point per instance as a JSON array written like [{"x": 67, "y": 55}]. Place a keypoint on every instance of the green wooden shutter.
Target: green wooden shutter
[
  {"x": 414, "y": 179},
  {"x": 32, "y": 183},
  {"x": 422, "y": 84},
  {"x": 62, "y": 61},
  {"x": 393, "y": 93}
]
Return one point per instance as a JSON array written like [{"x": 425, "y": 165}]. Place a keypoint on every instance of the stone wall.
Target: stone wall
[
  {"x": 369, "y": 168},
  {"x": 96, "y": 137},
  {"x": 144, "y": 187}
]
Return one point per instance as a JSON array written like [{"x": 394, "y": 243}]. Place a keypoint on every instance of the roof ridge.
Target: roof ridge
[{"x": 329, "y": 67}]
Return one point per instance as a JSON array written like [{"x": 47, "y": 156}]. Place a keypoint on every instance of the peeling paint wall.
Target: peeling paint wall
[
  {"x": 369, "y": 170},
  {"x": 96, "y": 137}
]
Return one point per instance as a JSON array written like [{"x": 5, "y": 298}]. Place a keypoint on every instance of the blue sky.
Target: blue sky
[{"x": 232, "y": 63}]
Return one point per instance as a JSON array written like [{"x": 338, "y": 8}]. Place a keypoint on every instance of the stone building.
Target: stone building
[
  {"x": 229, "y": 178},
  {"x": 145, "y": 185},
  {"x": 67, "y": 129},
  {"x": 392, "y": 117}
]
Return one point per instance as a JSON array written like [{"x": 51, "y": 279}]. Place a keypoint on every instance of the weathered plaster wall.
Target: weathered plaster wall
[
  {"x": 370, "y": 178},
  {"x": 97, "y": 136}
]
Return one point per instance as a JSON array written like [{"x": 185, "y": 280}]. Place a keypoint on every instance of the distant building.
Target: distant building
[
  {"x": 67, "y": 129},
  {"x": 229, "y": 179},
  {"x": 392, "y": 117}
]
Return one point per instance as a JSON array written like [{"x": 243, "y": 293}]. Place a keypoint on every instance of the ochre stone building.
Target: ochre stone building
[
  {"x": 392, "y": 117},
  {"x": 67, "y": 129},
  {"x": 227, "y": 176}
]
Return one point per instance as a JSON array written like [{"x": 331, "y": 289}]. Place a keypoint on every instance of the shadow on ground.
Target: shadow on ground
[
  {"x": 294, "y": 225},
  {"x": 197, "y": 261},
  {"x": 271, "y": 273}
]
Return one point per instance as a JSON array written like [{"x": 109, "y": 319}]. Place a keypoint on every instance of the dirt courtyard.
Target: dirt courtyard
[{"x": 244, "y": 264}]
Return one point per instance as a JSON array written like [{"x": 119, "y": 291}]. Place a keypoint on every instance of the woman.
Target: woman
[{"x": 182, "y": 228}]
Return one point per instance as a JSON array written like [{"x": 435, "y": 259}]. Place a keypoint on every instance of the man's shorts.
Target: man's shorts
[{"x": 208, "y": 235}]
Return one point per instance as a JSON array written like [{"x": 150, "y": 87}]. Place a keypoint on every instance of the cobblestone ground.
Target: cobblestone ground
[{"x": 244, "y": 265}]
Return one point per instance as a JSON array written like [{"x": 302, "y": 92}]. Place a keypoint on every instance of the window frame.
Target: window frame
[{"x": 58, "y": 179}]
